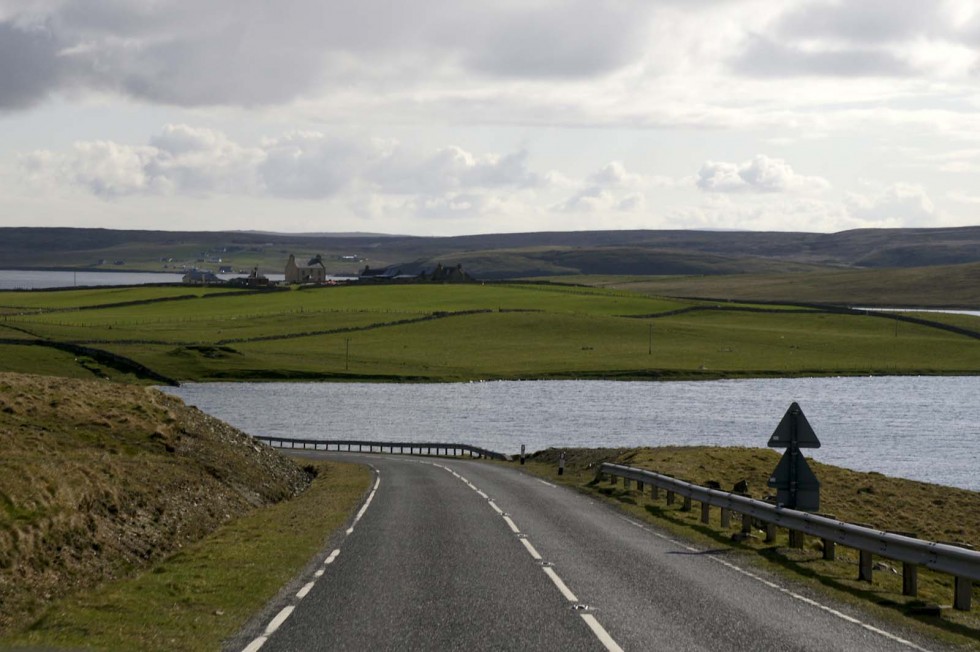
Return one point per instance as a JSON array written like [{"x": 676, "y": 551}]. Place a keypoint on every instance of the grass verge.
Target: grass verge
[
  {"x": 202, "y": 595},
  {"x": 932, "y": 511}
]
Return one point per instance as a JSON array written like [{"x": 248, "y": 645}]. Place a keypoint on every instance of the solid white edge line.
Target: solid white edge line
[
  {"x": 512, "y": 525},
  {"x": 279, "y": 620},
  {"x": 797, "y": 596},
  {"x": 601, "y": 633},
  {"x": 256, "y": 644},
  {"x": 565, "y": 591},
  {"x": 305, "y": 590},
  {"x": 530, "y": 549}
]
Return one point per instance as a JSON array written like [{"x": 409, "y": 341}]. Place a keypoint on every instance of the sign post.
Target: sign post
[
  {"x": 796, "y": 486},
  {"x": 522, "y": 454},
  {"x": 561, "y": 463}
]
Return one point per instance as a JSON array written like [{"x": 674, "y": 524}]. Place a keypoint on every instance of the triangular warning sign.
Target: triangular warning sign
[
  {"x": 781, "y": 477},
  {"x": 804, "y": 494},
  {"x": 794, "y": 426}
]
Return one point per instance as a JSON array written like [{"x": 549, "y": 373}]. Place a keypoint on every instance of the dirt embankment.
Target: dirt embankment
[{"x": 98, "y": 480}]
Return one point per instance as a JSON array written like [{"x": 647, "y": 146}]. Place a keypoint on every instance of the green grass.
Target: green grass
[
  {"x": 197, "y": 598},
  {"x": 517, "y": 331}
]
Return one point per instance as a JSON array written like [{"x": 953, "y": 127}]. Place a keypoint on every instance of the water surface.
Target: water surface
[{"x": 923, "y": 428}]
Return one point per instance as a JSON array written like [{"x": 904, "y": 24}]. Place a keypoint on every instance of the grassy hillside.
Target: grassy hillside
[
  {"x": 943, "y": 286},
  {"x": 99, "y": 480},
  {"x": 462, "y": 332},
  {"x": 495, "y": 255}
]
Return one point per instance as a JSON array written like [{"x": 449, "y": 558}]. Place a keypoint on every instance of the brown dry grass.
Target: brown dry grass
[{"x": 99, "y": 479}]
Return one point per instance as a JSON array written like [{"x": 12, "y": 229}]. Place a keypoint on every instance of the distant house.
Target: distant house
[
  {"x": 384, "y": 274},
  {"x": 313, "y": 272},
  {"x": 226, "y": 269},
  {"x": 442, "y": 274},
  {"x": 201, "y": 277}
]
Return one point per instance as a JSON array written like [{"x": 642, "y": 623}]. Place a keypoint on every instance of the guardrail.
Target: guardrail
[
  {"x": 961, "y": 563},
  {"x": 398, "y": 448}
]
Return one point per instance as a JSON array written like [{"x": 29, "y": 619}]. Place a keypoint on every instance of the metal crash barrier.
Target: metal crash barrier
[{"x": 961, "y": 563}]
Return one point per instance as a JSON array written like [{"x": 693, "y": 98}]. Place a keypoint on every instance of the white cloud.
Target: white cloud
[
  {"x": 372, "y": 177},
  {"x": 610, "y": 189},
  {"x": 894, "y": 205},
  {"x": 759, "y": 174}
]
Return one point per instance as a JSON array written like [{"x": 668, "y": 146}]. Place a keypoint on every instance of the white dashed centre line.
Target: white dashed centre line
[{"x": 597, "y": 629}]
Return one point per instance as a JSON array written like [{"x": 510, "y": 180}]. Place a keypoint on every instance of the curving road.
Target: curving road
[{"x": 461, "y": 555}]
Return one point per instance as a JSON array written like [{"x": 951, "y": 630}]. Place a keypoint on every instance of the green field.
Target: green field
[{"x": 463, "y": 332}]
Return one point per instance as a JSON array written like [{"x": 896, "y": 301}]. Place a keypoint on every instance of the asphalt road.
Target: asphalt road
[{"x": 461, "y": 555}]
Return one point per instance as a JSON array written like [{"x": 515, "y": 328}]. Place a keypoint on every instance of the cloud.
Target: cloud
[
  {"x": 185, "y": 160},
  {"x": 229, "y": 52},
  {"x": 30, "y": 66},
  {"x": 763, "y": 57},
  {"x": 609, "y": 189},
  {"x": 761, "y": 174},
  {"x": 894, "y": 205},
  {"x": 406, "y": 171}
]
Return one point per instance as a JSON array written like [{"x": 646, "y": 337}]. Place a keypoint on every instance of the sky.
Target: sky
[{"x": 450, "y": 117}]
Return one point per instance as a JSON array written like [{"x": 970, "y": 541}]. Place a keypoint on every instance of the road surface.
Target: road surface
[{"x": 463, "y": 555}]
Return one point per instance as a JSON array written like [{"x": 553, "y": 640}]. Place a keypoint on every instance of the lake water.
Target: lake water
[
  {"x": 923, "y": 428},
  {"x": 11, "y": 279}
]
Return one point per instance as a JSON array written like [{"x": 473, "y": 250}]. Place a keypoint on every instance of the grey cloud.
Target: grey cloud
[
  {"x": 763, "y": 57},
  {"x": 866, "y": 21},
  {"x": 251, "y": 52},
  {"x": 570, "y": 39},
  {"x": 30, "y": 68}
]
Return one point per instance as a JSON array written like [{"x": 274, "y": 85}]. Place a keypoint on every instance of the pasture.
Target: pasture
[{"x": 464, "y": 332}]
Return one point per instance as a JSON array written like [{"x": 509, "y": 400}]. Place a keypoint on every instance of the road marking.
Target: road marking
[
  {"x": 305, "y": 590},
  {"x": 565, "y": 591},
  {"x": 597, "y": 629},
  {"x": 601, "y": 633},
  {"x": 553, "y": 486},
  {"x": 531, "y": 549},
  {"x": 333, "y": 555},
  {"x": 773, "y": 585},
  {"x": 279, "y": 620},
  {"x": 367, "y": 503},
  {"x": 318, "y": 574},
  {"x": 256, "y": 644}
]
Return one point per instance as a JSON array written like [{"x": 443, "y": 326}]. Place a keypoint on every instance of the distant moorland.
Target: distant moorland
[{"x": 497, "y": 256}]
